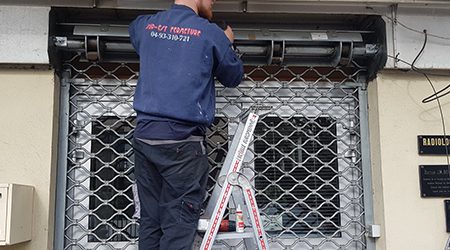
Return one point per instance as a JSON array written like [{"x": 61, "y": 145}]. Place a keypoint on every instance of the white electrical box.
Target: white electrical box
[{"x": 16, "y": 208}]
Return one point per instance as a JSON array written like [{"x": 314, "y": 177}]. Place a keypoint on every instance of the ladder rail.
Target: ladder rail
[
  {"x": 253, "y": 211},
  {"x": 224, "y": 171},
  {"x": 234, "y": 166}
]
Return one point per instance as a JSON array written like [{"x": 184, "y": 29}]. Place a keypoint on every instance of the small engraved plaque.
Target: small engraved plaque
[{"x": 434, "y": 180}]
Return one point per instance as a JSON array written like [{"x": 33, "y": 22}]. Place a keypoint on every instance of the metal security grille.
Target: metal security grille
[{"x": 305, "y": 159}]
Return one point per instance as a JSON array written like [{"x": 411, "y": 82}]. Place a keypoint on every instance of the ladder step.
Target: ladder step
[{"x": 233, "y": 235}]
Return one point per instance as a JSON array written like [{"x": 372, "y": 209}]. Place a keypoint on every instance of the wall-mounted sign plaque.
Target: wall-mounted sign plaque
[
  {"x": 434, "y": 180},
  {"x": 433, "y": 144}
]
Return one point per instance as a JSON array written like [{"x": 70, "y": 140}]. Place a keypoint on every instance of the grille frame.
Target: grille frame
[{"x": 235, "y": 101}]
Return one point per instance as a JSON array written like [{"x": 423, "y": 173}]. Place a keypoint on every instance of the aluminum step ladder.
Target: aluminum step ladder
[{"x": 230, "y": 179}]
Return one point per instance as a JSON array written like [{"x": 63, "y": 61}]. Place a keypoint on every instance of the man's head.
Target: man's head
[{"x": 204, "y": 8}]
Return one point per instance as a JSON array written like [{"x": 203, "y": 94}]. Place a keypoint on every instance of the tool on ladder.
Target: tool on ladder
[{"x": 232, "y": 177}]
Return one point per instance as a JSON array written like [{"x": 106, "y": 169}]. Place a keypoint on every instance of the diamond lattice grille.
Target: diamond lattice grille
[{"x": 304, "y": 160}]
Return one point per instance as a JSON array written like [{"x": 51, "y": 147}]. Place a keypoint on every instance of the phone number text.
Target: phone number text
[{"x": 166, "y": 36}]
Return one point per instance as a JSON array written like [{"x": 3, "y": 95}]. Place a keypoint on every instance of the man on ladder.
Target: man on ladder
[{"x": 180, "y": 54}]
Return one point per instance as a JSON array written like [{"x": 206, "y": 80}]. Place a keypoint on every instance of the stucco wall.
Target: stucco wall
[
  {"x": 28, "y": 110},
  {"x": 397, "y": 116}
]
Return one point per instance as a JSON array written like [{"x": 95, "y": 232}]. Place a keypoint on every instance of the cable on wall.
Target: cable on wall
[
  {"x": 437, "y": 94},
  {"x": 433, "y": 97}
]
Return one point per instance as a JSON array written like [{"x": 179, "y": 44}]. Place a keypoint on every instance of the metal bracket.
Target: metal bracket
[
  {"x": 244, "y": 6},
  {"x": 347, "y": 53},
  {"x": 374, "y": 231},
  {"x": 92, "y": 48}
]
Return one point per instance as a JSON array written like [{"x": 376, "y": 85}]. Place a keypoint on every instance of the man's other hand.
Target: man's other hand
[{"x": 229, "y": 33}]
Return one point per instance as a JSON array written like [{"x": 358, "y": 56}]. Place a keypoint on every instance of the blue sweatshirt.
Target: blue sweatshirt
[{"x": 180, "y": 54}]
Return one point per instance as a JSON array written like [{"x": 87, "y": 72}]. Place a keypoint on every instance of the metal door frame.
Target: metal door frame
[{"x": 60, "y": 212}]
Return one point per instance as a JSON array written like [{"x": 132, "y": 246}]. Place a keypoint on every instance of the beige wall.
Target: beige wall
[
  {"x": 397, "y": 116},
  {"x": 28, "y": 111}
]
